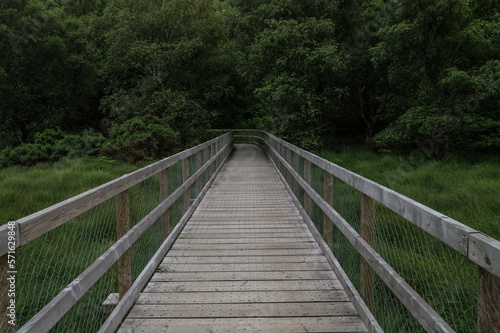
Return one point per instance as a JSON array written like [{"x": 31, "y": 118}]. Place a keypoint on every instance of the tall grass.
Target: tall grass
[
  {"x": 26, "y": 190},
  {"x": 464, "y": 187}
]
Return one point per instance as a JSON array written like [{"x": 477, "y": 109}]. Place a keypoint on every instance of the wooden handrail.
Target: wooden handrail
[{"x": 39, "y": 223}]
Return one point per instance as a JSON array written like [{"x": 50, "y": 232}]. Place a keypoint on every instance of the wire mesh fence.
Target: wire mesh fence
[
  {"x": 48, "y": 264},
  {"x": 444, "y": 278}
]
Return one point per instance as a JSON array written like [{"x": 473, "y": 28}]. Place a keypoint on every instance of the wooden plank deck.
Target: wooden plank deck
[{"x": 245, "y": 262}]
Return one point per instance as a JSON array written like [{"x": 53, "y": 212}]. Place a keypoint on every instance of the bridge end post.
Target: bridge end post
[{"x": 488, "y": 312}]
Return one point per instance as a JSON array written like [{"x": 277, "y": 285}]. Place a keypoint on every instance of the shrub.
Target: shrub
[
  {"x": 141, "y": 138},
  {"x": 52, "y": 145}
]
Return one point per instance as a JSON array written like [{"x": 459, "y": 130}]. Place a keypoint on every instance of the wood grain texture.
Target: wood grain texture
[{"x": 488, "y": 311}]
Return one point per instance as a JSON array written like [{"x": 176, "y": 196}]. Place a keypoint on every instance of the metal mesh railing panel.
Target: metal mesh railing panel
[
  {"x": 442, "y": 277},
  {"x": 49, "y": 263}
]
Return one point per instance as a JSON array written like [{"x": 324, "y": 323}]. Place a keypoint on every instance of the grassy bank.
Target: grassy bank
[
  {"x": 24, "y": 190},
  {"x": 464, "y": 187}
]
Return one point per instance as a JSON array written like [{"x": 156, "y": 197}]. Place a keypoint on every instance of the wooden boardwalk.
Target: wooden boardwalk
[{"x": 245, "y": 262}]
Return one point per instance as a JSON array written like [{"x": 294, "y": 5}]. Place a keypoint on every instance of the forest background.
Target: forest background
[{"x": 394, "y": 90}]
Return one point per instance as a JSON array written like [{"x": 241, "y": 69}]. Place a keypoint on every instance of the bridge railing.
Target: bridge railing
[
  {"x": 415, "y": 268},
  {"x": 80, "y": 264}
]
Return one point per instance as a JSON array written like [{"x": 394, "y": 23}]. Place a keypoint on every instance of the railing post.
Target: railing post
[
  {"x": 198, "y": 167},
  {"x": 307, "y": 178},
  {"x": 367, "y": 283},
  {"x": 185, "y": 176},
  {"x": 328, "y": 196},
  {"x": 122, "y": 226},
  {"x": 488, "y": 312},
  {"x": 165, "y": 218},
  {"x": 296, "y": 168}
]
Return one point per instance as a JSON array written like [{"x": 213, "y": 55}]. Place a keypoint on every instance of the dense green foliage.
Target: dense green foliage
[{"x": 147, "y": 78}]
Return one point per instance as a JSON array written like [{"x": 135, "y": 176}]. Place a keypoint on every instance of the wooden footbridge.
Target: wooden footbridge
[{"x": 252, "y": 251}]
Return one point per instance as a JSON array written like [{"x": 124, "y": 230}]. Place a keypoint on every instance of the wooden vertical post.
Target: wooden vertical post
[
  {"x": 122, "y": 226},
  {"x": 165, "y": 218},
  {"x": 488, "y": 312},
  {"x": 185, "y": 176},
  {"x": 328, "y": 196},
  {"x": 296, "y": 168},
  {"x": 307, "y": 178},
  {"x": 198, "y": 167},
  {"x": 367, "y": 283}
]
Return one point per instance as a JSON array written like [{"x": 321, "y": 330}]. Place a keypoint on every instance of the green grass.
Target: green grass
[
  {"x": 24, "y": 190},
  {"x": 466, "y": 188}
]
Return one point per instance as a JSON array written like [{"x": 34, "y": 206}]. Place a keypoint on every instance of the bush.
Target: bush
[
  {"x": 139, "y": 139},
  {"x": 52, "y": 145}
]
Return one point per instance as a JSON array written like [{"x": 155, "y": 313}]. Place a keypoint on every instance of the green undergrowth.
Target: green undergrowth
[
  {"x": 26, "y": 190},
  {"x": 465, "y": 187}
]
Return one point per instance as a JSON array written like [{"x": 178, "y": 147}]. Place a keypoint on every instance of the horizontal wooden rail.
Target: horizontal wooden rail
[
  {"x": 128, "y": 300},
  {"x": 418, "y": 307},
  {"x": 44, "y": 320},
  {"x": 481, "y": 249},
  {"x": 39, "y": 223}
]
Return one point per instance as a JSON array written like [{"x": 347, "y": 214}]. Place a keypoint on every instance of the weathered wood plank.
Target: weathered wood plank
[
  {"x": 244, "y": 276},
  {"x": 484, "y": 251},
  {"x": 237, "y": 253},
  {"x": 169, "y": 267},
  {"x": 239, "y": 325},
  {"x": 243, "y": 259},
  {"x": 252, "y": 246},
  {"x": 244, "y": 297},
  {"x": 261, "y": 310},
  {"x": 246, "y": 285}
]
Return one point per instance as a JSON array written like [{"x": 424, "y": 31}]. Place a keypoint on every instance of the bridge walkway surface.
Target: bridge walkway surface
[{"x": 245, "y": 262}]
